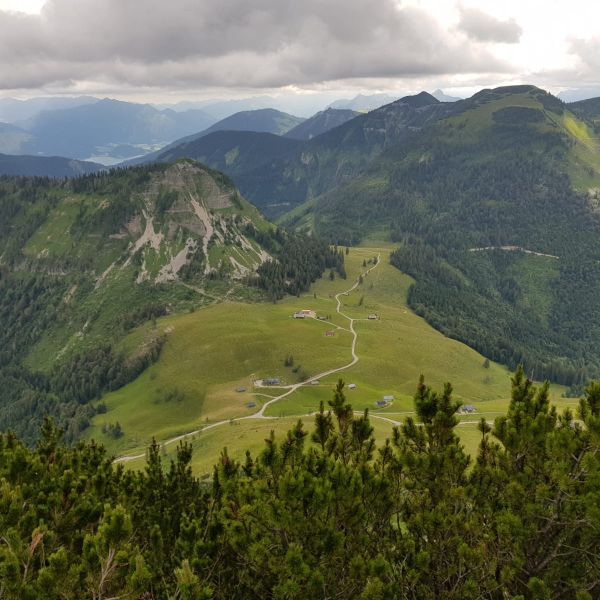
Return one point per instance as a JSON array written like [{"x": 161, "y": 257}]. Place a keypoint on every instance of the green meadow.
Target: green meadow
[{"x": 216, "y": 350}]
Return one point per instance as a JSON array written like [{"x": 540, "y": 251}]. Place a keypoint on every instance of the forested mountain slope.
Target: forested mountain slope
[
  {"x": 511, "y": 169},
  {"x": 278, "y": 183},
  {"x": 84, "y": 261},
  {"x": 587, "y": 109}
]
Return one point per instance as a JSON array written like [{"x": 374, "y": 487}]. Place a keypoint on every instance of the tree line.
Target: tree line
[{"x": 298, "y": 261}]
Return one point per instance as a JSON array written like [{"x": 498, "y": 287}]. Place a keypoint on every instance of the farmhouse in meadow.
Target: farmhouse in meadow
[
  {"x": 372, "y": 317},
  {"x": 385, "y": 401}
]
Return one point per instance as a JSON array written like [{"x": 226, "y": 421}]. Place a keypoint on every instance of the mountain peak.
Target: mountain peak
[{"x": 419, "y": 100}]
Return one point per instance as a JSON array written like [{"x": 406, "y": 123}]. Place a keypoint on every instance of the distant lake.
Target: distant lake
[{"x": 108, "y": 161}]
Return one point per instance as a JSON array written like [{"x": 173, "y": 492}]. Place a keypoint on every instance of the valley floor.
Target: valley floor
[{"x": 195, "y": 389}]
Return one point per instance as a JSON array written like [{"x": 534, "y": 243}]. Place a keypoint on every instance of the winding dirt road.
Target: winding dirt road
[{"x": 260, "y": 414}]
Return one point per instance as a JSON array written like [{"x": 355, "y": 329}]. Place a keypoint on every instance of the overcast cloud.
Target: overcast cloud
[
  {"x": 229, "y": 43},
  {"x": 486, "y": 28},
  {"x": 174, "y": 46}
]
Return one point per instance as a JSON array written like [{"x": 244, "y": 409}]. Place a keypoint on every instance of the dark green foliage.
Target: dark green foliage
[
  {"x": 165, "y": 200},
  {"x": 331, "y": 519},
  {"x": 300, "y": 260},
  {"x": 506, "y": 185},
  {"x": 143, "y": 314},
  {"x": 88, "y": 374},
  {"x": 517, "y": 116},
  {"x": 113, "y": 430},
  {"x": 67, "y": 392}
]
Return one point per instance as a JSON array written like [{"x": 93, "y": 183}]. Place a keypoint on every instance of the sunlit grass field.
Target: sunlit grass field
[{"x": 212, "y": 352}]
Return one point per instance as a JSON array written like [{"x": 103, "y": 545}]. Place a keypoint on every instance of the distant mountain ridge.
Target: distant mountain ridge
[
  {"x": 320, "y": 123},
  {"x": 258, "y": 121},
  {"x": 278, "y": 181},
  {"x": 266, "y": 120},
  {"x": 100, "y": 128},
  {"x": 363, "y": 102},
  {"x": 45, "y": 166},
  {"x": 13, "y": 110},
  {"x": 81, "y": 130}
]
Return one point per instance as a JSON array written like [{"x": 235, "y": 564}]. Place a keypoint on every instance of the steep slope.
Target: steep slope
[
  {"x": 496, "y": 212},
  {"x": 45, "y": 166},
  {"x": 587, "y": 109},
  {"x": 320, "y": 123},
  {"x": 233, "y": 152},
  {"x": 82, "y": 131},
  {"x": 84, "y": 261}
]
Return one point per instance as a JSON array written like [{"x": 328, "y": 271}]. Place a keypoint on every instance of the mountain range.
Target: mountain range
[
  {"x": 13, "y": 109},
  {"x": 93, "y": 129},
  {"x": 512, "y": 171},
  {"x": 492, "y": 202},
  {"x": 277, "y": 175}
]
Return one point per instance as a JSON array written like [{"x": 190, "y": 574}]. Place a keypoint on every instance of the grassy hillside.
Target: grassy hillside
[
  {"x": 85, "y": 261},
  {"x": 211, "y": 353},
  {"x": 512, "y": 171}
]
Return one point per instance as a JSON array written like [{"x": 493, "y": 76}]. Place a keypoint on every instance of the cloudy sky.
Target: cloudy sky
[{"x": 178, "y": 49}]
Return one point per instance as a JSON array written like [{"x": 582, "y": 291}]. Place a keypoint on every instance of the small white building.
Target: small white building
[{"x": 352, "y": 386}]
